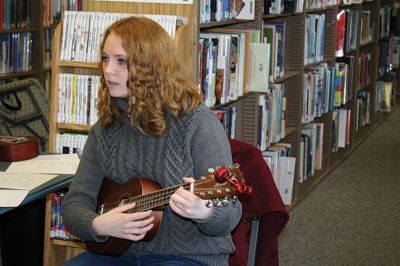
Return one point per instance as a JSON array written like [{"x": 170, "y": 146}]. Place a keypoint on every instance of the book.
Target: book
[
  {"x": 259, "y": 67},
  {"x": 287, "y": 169},
  {"x": 342, "y": 128},
  {"x": 340, "y": 32},
  {"x": 244, "y": 9}
]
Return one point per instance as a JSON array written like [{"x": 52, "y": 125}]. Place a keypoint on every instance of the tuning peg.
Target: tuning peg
[
  {"x": 234, "y": 199},
  {"x": 225, "y": 201},
  {"x": 217, "y": 203},
  {"x": 209, "y": 203}
]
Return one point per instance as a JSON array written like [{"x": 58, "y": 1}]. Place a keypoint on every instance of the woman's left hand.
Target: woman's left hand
[{"x": 188, "y": 205}]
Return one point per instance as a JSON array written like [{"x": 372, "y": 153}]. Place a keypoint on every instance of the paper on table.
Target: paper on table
[
  {"x": 12, "y": 197},
  {"x": 47, "y": 164},
  {"x": 23, "y": 181}
]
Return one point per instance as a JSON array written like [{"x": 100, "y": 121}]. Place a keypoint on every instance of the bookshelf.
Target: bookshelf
[
  {"x": 20, "y": 34},
  {"x": 51, "y": 14},
  {"x": 295, "y": 65},
  {"x": 28, "y": 22}
]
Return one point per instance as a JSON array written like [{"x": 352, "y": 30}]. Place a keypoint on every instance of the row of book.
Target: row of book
[
  {"x": 217, "y": 10},
  {"x": 271, "y": 116},
  {"x": 57, "y": 227},
  {"x": 48, "y": 44},
  {"x": 68, "y": 143},
  {"x": 311, "y": 150},
  {"x": 222, "y": 66},
  {"x": 343, "y": 80},
  {"x": 53, "y": 10},
  {"x": 326, "y": 87},
  {"x": 15, "y": 52},
  {"x": 384, "y": 96},
  {"x": 314, "y": 38},
  {"x": 236, "y": 61},
  {"x": 363, "y": 109},
  {"x": 320, "y": 4},
  {"x": 228, "y": 116},
  {"x": 319, "y": 91},
  {"x": 388, "y": 55},
  {"x": 364, "y": 66},
  {"x": 14, "y": 14},
  {"x": 282, "y": 166},
  {"x": 83, "y": 32},
  {"x": 77, "y": 98},
  {"x": 366, "y": 27},
  {"x": 232, "y": 62},
  {"x": 275, "y": 35},
  {"x": 283, "y": 6},
  {"x": 346, "y": 31},
  {"x": 340, "y": 128},
  {"x": 385, "y": 16}
]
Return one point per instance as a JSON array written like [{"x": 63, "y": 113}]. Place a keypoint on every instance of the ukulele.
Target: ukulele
[
  {"x": 215, "y": 186},
  {"x": 14, "y": 149}
]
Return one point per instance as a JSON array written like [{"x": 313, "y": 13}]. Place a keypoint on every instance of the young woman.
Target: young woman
[{"x": 151, "y": 125}]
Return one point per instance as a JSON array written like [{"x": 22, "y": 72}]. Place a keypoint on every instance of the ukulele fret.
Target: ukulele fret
[{"x": 154, "y": 199}]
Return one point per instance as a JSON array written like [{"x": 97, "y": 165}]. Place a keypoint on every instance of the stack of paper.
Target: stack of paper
[{"x": 23, "y": 176}]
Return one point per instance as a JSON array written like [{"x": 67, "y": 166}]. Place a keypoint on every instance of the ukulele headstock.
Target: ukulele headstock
[{"x": 223, "y": 181}]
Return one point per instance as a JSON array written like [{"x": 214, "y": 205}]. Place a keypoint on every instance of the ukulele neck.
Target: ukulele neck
[{"x": 147, "y": 201}]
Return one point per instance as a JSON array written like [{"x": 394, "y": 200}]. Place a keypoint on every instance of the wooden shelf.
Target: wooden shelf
[
  {"x": 78, "y": 64},
  {"x": 69, "y": 243},
  {"x": 74, "y": 127}
]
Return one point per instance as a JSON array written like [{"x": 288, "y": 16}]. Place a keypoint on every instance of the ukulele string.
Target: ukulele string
[{"x": 157, "y": 197}]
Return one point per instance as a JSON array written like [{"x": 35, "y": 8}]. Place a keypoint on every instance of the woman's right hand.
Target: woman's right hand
[{"x": 119, "y": 223}]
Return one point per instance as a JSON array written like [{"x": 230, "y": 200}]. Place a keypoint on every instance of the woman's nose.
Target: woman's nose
[{"x": 108, "y": 68}]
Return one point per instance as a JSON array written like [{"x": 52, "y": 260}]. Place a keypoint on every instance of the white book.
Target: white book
[
  {"x": 95, "y": 32},
  {"x": 287, "y": 169},
  {"x": 71, "y": 36},
  {"x": 80, "y": 88},
  {"x": 69, "y": 99},
  {"x": 75, "y": 54},
  {"x": 244, "y": 9},
  {"x": 301, "y": 162},
  {"x": 73, "y": 98},
  {"x": 84, "y": 99},
  {"x": 64, "y": 35},
  {"x": 61, "y": 97},
  {"x": 259, "y": 67},
  {"x": 342, "y": 128},
  {"x": 273, "y": 158},
  {"x": 241, "y": 64},
  {"x": 84, "y": 39}
]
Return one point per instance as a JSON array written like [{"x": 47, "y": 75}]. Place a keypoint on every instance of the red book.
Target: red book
[{"x": 340, "y": 32}]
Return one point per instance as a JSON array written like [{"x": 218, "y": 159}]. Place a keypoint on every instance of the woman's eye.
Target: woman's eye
[
  {"x": 122, "y": 61},
  {"x": 104, "y": 58}
]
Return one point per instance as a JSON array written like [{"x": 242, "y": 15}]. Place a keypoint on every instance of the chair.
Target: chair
[
  {"x": 264, "y": 214},
  {"x": 24, "y": 110}
]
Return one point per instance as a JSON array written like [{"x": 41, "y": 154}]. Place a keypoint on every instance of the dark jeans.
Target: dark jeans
[{"x": 88, "y": 258}]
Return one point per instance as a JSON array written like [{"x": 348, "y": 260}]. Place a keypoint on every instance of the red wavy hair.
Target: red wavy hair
[{"x": 158, "y": 84}]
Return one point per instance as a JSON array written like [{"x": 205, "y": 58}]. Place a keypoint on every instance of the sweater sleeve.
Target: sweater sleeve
[
  {"x": 79, "y": 205},
  {"x": 210, "y": 149}
]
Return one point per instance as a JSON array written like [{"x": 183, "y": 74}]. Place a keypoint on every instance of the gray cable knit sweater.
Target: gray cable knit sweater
[{"x": 193, "y": 144}]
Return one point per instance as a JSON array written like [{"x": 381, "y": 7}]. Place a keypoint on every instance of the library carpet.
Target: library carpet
[{"x": 353, "y": 216}]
